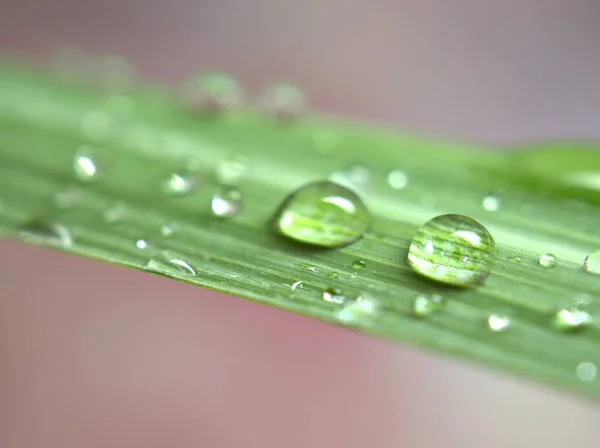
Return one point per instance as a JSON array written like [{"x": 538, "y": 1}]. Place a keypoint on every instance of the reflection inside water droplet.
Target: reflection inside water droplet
[
  {"x": 547, "y": 260},
  {"x": 226, "y": 202},
  {"x": 592, "y": 263},
  {"x": 90, "y": 163},
  {"x": 334, "y": 295},
  {"x": 499, "y": 322},
  {"x": 169, "y": 263},
  {"x": 571, "y": 318}
]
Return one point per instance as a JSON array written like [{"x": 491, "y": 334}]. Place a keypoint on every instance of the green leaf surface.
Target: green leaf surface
[{"x": 147, "y": 134}]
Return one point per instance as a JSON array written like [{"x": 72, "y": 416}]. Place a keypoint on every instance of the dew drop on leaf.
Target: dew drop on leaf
[
  {"x": 297, "y": 285},
  {"x": 592, "y": 263},
  {"x": 571, "y": 318},
  {"x": 90, "y": 163},
  {"x": 334, "y": 295},
  {"x": 226, "y": 202},
  {"x": 586, "y": 371},
  {"x": 425, "y": 305},
  {"x": 453, "y": 249},
  {"x": 332, "y": 275},
  {"x": 547, "y": 260},
  {"x": 169, "y": 228},
  {"x": 169, "y": 263},
  {"x": 359, "y": 312},
  {"x": 359, "y": 264},
  {"x": 323, "y": 214},
  {"x": 491, "y": 203},
  {"x": 499, "y": 322},
  {"x": 397, "y": 179},
  {"x": 283, "y": 101},
  {"x": 213, "y": 92},
  {"x": 182, "y": 182},
  {"x": 42, "y": 232},
  {"x": 142, "y": 244}
]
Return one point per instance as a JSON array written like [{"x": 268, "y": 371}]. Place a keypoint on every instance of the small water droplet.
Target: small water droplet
[
  {"x": 90, "y": 163},
  {"x": 499, "y": 322},
  {"x": 323, "y": 214},
  {"x": 354, "y": 177},
  {"x": 169, "y": 228},
  {"x": 586, "y": 371},
  {"x": 491, "y": 203},
  {"x": 213, "y": 92},
  {"x": 39, "y": 231},
  {"x": 332, "y": 275},
  {"x": 182, "y": 182},
  {"x": 142, "y": 244},
  {"x": 69, "y": 197},
  {"x": 425, "y": 305},
  {"x": 547, "y": 260},
  {"x": 360, "y": 311},
  {"x": 334, "y": 295},
  {"x": 592, "y": 263},
  {"x": 231, "y": 171},
  {"x": 284, "y": 101},
  {"x": 453, "y": 249},
  {"x": 515, "y": 260},
  {"x": 170, "y": 263},
  {"x": 115, "y": 213},
  {"x": 359, "y": 264},
  {"x": 325, "y": 141},
  {"x": 571, "y": 318},
  {"x": 297, "y": 285},
  {"x": 226, "y": 202},
  {"x": 397, "y": 179}
]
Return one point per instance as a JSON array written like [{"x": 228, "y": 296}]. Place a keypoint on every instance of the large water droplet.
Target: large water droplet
[
  {"x": 334, "y": 295},
  {"x": 360, "y": 311},
  {"x": 499, "y": 322},
  {"x": 547, "y": 260},
  {"x": 397, "y": 179},
  {"x": 213, "y": 92},
  {"x": 453, "y": 249},
  {"x": 571, "y": 318},
  {"x": 491, "y": 203},
  {"x": 283, "y": 101},
  {"x": 354, "y": 177},
  {"x": 226, "y": 202},
  {"x": 592, "y": 263},
  {"x": 425, "y": 305},
  {"x": 39, "y": 231},
  {"x": 323, "y": 214},
  {"x": 586, "y": 371},
  {"x": 90, "y": 163},
  {"x": 170, "y": 263}
]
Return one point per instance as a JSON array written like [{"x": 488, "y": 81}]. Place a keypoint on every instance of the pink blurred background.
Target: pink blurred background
[{"x": 96, "y": 356}]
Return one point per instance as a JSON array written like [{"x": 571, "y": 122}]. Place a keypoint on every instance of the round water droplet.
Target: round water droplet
[
  {"x": 425, "y": 305},
  {"x": 491, "y": 203},
  {"x": 592, "y": 263},
  {"x": 226, "y": 203},
  {"x": 359, "y": 312},
  {"x": 453, "y": 249},
  {"x": 142, "y": 244},
  {"x": 334, "y": 295},
  {"x": 359, "y": 264},
  {"x": 231, "y": 171},
  {"x": 182, "y": 182},
  {"x": 397, "y": 179},
  {"x": 169, "y": 228},
  {"x": 213, "y": 92},
  {"x": 69, "y": 197},
  {"x": 571, "y": 318},
  {"x": 42, "y": 232},
  {"x": 354, "y": 177},
  {"x": 547, "y": 260},
  {"x": 115, "y": 213},
  {"x": 323, "y": 214},
  {"x": 90, "y": 163},
  {"x": 283, "y": 101},
  {"x": 171, "y": 264},
  {"x": 515, "y": 260},
  {"x": 332, "y": 275},
  {"x": 499, "y": 322},
  {"x": 586, "y": 371}
]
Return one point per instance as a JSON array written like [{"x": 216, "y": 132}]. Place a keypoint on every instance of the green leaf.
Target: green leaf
[{"x": 158, "y": 165}]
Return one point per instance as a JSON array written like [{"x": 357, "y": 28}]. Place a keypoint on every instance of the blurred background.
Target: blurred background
[{"x": 96, "y": 356}]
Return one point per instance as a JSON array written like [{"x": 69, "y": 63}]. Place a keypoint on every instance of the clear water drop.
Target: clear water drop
[
  {"x": 359, "y": 264},
  {"x": 226, "y": 202},
  {"x": 142, "y": 244},
  {"x": 499, "y": 322},
  {"x": 453, "y": 249},
  {"x": 332, "y": 275},
  {"x": 182, "y": 182},
  {"x": 571, "y": 318},
  {"x": 491, "y": 203},
  {"x": 397, "y": 179},
  {"x": 425, "y": 305},
  {"x": 90, "y": 163},
  {"x": 547, "y": 260},
  {"x": 586, "y": 371},
  {"x": 516, "y": 260},
  {"x": 170, "y": 263},
  {"x": 115, "y": 213},
  {"x": 169, "y": 228},
  {"x": 354, "y": 177},
  {"x": 213, "y": 92},
  {"x": 592, "y": 263},
  {"x": 68, "y": 198},
  {"x": 323, "y": 214},
  {"x": 334, "y": 295},
  {"x": 43, "y": 232},
  {"x": 231, "y": 171},
  {"x": 284, "y": 101},
  {"x": 359, "y": 312}
]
